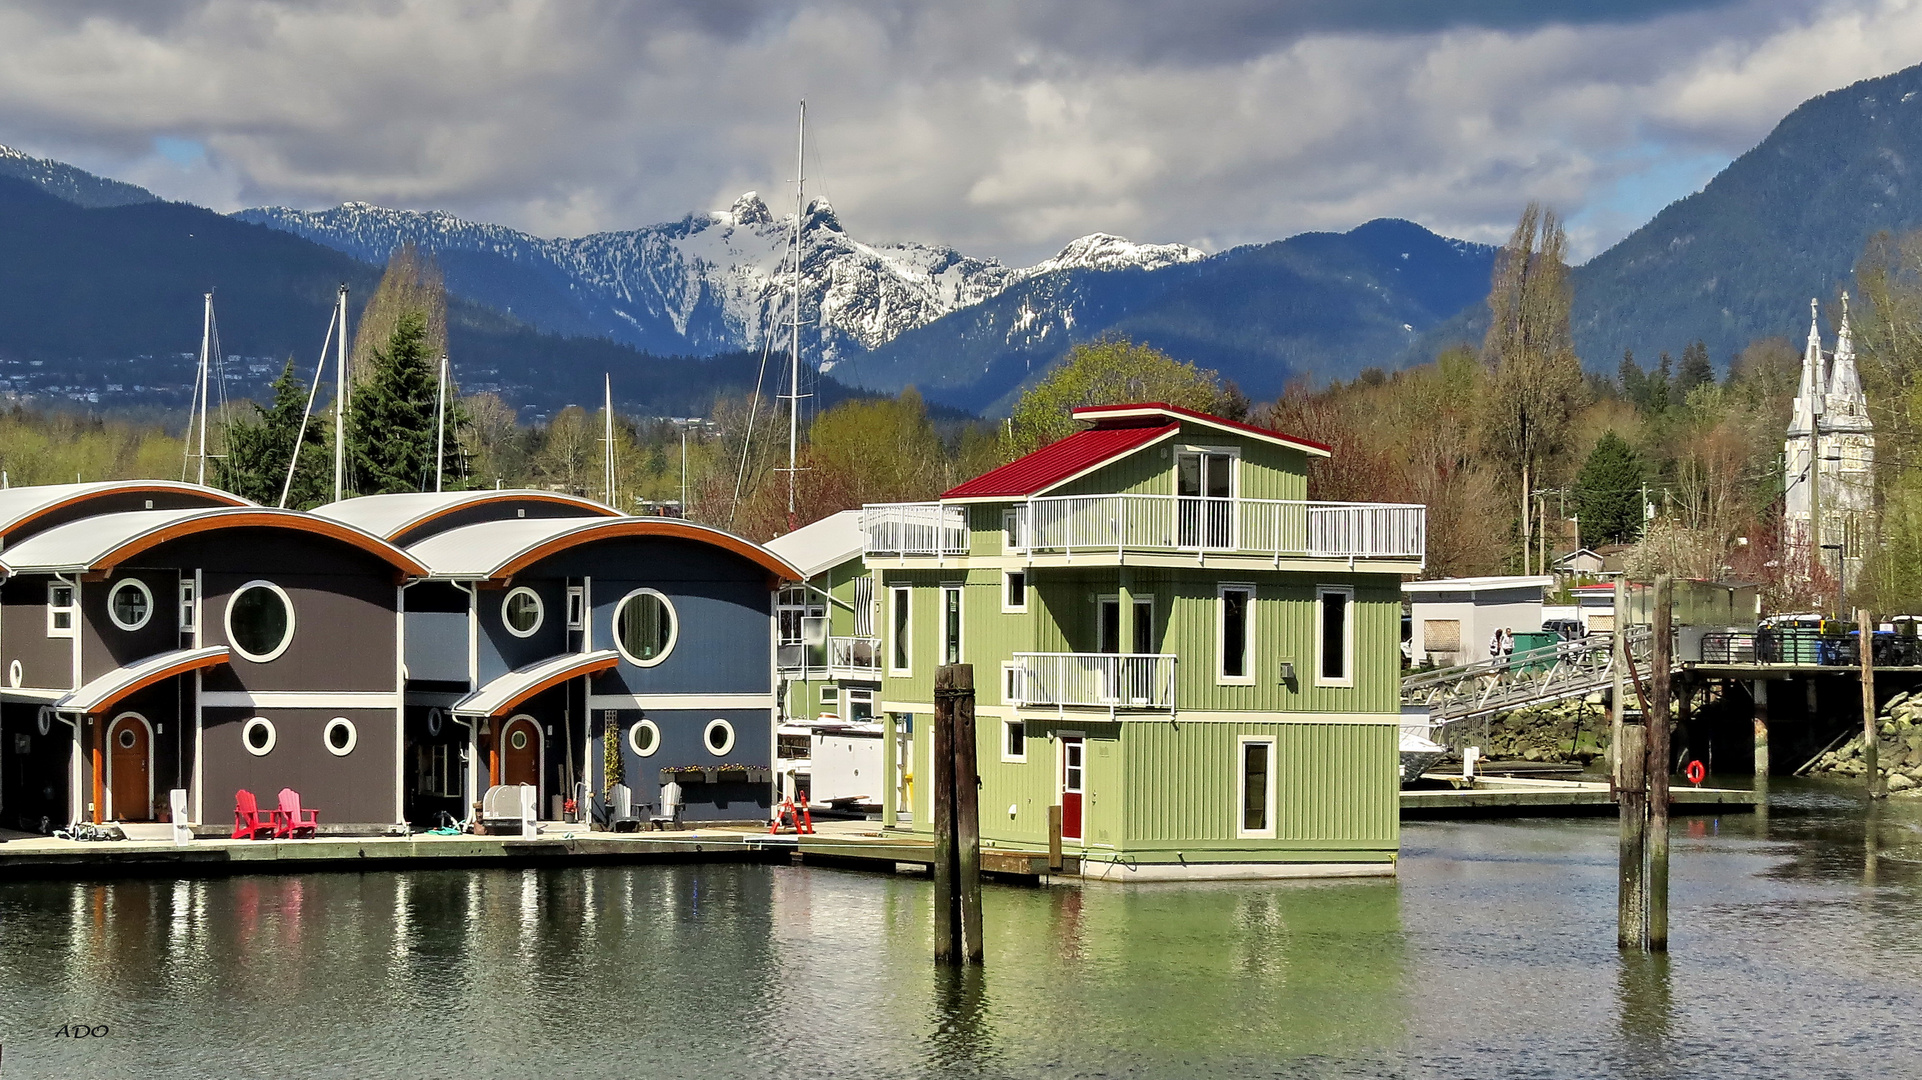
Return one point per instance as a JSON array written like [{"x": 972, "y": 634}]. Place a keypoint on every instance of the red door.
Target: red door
[
  {"x": 521, "y": 752},
  {"x": 1072, "y": 786},
  {"x": 130, "y": 769}
]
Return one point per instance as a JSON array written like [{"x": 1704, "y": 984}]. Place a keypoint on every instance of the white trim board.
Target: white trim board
[
  {"x": 680, "y": 701},
  {"x": 294, "y": 699}
]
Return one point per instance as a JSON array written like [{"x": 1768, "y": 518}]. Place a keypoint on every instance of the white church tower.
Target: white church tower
[{"x": 1830, "y": 405}]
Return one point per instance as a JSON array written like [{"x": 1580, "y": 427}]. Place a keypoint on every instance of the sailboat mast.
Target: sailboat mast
[
  {"x": 794, "y": 340},
  {"x": 607, "y": 436},
  {"x": 340, "y": 400},
  {"x": 206, "y": 343},
  {"x": 440, "y": 425}
]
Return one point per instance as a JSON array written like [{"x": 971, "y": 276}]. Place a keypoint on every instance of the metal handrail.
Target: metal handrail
[
  {"x": 1110, "y": 681},
  {"x": 914, "y": 529},
  {"x": 1538, "y": 676},
  {"x": 1276, "y": 528},
  {"x": 854, "y": 654}
]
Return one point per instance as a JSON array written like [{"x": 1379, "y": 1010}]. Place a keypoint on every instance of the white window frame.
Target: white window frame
[
  {"x": 327, "y": 736},
  {"x": 1010, "y": 674},
  {"x": 1007, "y": 728},
  {"x": 707, "y": 737},
  {"x": 146, "y": 594},
  {"x": 1006, "y": 607},
  {"x": 1013, "y": 534},
  {"x": 1347, "y": 678},
  {"x": 959, "y": 588},
  {"x": 634, "y": 739},
  {"x": 850, "y": 697},
  {"x": 1247, "y": 677},
  {"x": 262, "y": 722},
  {"x": 830, "y": 694},
  {"x": 189, "y": 605},
  {"x": 673, "y": 628},
  {"x": 577, "y": 607},
  {"x": 540, "y": 612},
  {"x": 71, "y": 609},
  {"x": 900, "y": 630},
  {"x": 292, "y": 623},
  {"x": 1241, "y": 787}
]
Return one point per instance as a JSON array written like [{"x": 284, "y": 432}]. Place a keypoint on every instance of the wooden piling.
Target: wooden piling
[
  {"x": 1054, "y": 837},
  {"x": 1871, "y": 740},
  {"x": 1632, "y": 793},
  {"x": 1661, "y": 664},
  {"x": 1618, "y": 699},
  {"x": 967, "y": 810},
  {"x": 1759, "y": 689},
  {"x": 947, "y": 901}
]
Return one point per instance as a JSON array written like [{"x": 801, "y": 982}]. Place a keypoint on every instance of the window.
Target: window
[
  {"x": 577, "y": 607},
  {"x": 1014, "y": 530},
  {"x": 902, "y": 622},
  {"x": 340, "y": 735},
  {"x": 830, "y": 695},
  {"x": 1012, "y": 681},
  {"x": 1144, "y": 625},
  {"x": 950, "y": 624},
  {"x": 130, "y": 604},
  {"x": 1441, "y": 635},
  {"x": 1014, "y": 740},
  {"x": 860, "y": 705},
  {"x": 1234, "y": 633},
  {"x": 258, "y": 736},
  {"x": 1204, "y": 498},
  {"x": 1334, "y": 636},
  {"x": 1014, "y": 590},
  {"x": 719, "y": 737},
  {"x": 189, "y": 608},
  {"x": 645, "y": 627},
  {"x": 60, "y": 596},
  {"x": 260, "y": 621},
  {"x": 1256, "y": 811},
  {"x": 644, "y": 738},
  {"x": 522, "y": 612}
]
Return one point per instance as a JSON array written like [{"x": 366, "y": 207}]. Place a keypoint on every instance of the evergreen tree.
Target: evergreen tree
[
  {"x": 255, "y": 466},
  {"x": 391, "y": 414},
  {"x": 1695, "y": 371},
  {"x": 1634, "y": 382},
  {"x": 1659, "y": 383},
  {"x": 1608, "y": 493}
]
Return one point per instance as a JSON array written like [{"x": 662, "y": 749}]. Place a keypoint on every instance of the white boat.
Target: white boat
[{"x": 1419, "y": 753}]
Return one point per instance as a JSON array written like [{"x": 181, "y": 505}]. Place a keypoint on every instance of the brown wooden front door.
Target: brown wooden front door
[
  {"x": 130, "y": 768},
  {"x": 521, "y": 752}
]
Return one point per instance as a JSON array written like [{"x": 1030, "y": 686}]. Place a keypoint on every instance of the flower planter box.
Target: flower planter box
[{"x": 686, "y": 774}]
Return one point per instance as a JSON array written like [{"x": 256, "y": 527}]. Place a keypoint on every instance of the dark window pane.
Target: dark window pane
[
  {"x": 901, "y": 629},
  {"x": 1234, "y": 633},
  {"x": 1254, "y": 787},
  {"x": 1334, "y": 635}
]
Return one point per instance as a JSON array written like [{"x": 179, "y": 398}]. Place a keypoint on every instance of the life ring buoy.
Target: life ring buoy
[{"x": 1695, "y": 773}]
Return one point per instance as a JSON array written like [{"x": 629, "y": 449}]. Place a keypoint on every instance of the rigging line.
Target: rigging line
[
  {"x": 293, "y": 459},
  {"x": 747, "y": 440},
  {"x": 220, "y": 363}
]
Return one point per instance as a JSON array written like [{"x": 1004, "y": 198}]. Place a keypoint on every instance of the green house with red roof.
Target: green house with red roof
[{"x": 1198, "y": 665}]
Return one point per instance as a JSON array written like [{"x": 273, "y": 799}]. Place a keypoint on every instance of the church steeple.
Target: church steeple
[
  {"x": 1814, "y": 383},
  {"x": 1846, "y": 407}
]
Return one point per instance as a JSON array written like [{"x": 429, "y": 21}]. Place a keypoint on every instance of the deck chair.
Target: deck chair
[
  {"x": 290, "y": 820},
  {"x": 249, "y": 824}
]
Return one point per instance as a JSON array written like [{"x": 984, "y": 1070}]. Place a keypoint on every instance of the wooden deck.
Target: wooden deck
[{"x": 1515, "y": 796}]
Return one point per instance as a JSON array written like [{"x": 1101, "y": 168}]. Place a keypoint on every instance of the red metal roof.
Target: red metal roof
[
  {"x": 1098, "y": 413},
  {"x": 1064, "y": 459}
]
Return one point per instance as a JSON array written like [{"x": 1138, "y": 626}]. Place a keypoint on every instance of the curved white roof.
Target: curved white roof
[
  {"x": 391, "y": 515},
  {"x": 823, "y": 545},
  {"x": 24, "y": 503},
  {"x": 83, "y": 545},
  {"x": 490, "y": 549}
]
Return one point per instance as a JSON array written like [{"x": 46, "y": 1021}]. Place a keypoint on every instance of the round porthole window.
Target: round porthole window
[
  {"x": 518, "y": 740},
  {"x": 719, "y": 737},
  {"x": 260, "y": 621},
  {"x": 522, "y": 611},
  {"x": 645, "y": 627},
  {"x": 644, "y": 738},
  {"x": 258, "y": 736},
  {"x": 340, "y": 736},
  {"x": 434, "y": 722},
  {"x": 130, "y": 604},
  {"x": 126, "y": 738},
  {"x": 15, "y": 673},
  {"x": 44, "y": 721}
]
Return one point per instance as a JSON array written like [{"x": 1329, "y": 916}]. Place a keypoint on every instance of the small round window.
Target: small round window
[
  {"x": 644, "y": 738},
  {"x": 719, "y": 737},
  {"x": 522, "y": 611},
  {"x": 127, "y": 738},
  {"x": 434, "y": 722},
  {"x": 44, "y": 721},
  {"x": 130, "y": 604},
  {"x": 518, "y": 740},
  {"x": 340, "y": 736},
  {"x": 645, "y": 627},
  {"x": 15, "y": 674},
  {"x": 260, "y": 621},
  {"x": 258, "y": 736}
]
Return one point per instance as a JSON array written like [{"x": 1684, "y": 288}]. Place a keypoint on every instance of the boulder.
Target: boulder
[{"x": 1899, "y": 782}]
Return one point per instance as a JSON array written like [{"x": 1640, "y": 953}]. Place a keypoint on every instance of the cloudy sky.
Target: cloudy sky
[{"x": 1004, "y": 128}]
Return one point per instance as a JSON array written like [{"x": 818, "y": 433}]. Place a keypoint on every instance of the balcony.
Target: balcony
[
  {"x": 914, "y": 529},
  {"x": 831, "y": 657},
  {"x": 1093, "y": 681},
  {"x": 1269, "y": 528}
]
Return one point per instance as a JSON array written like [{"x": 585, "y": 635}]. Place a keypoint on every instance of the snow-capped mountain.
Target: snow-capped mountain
[
  {"x": 63, "y": 180},
  {"x": 711, "y": 282}
]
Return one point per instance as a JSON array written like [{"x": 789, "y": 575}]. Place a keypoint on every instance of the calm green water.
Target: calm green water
[{"x": 1797, "y": 953}]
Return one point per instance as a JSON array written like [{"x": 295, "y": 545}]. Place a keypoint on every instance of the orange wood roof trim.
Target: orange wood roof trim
[
  {"x": 515, "y": 496},
  {"x": 159, "y": 675},
  {"x": 272, "y": 519},
  {"x": 670, "y": 527},
  {"x": 133, "y": 488},
  {"x": 590, "y": 667}
]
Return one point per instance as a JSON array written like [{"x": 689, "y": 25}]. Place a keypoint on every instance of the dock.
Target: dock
[{"x": 1488, "y": 796}]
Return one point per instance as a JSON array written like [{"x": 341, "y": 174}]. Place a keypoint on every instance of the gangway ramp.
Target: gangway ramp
[{"x": 1540, "y": 676}]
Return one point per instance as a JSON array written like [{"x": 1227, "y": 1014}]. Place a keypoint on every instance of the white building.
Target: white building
[
  {"x": 1452, "y": 619},
  {"x": 1830, "y": 405}
]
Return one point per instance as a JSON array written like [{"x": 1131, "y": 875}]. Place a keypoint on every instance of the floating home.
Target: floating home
[{"x": 1199, "y": 666}]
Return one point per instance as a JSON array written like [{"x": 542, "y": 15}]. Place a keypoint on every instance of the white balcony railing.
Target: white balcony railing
[
  {"x": 1268, "y": 527},
  {"x": 914, "y": 529},
  {"x": 856, "y": 656},
  {"x": 1093, "y": 680}
]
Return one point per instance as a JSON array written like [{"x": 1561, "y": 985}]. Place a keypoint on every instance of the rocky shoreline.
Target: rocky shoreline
[
  {"x": 1567, "y": 732},
  {"x": 1898, "y": 748}
]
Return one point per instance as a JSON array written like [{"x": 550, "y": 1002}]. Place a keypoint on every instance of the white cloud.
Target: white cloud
[{"x": 1004, "y": 128}]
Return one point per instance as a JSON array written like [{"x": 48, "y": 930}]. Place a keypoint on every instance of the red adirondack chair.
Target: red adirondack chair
[
  {"x": 290, "y": 820},
  {"x": 249, "y": 822}
]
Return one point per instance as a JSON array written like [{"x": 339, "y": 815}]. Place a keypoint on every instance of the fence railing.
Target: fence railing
[
  {"x": 858, "y": 655},
  {"x": 1184, "y": 523},
  {"x": 1094, "y": 680},
  {"x": 1794, "y": 645},
  {"x": 914, "y": 529}
]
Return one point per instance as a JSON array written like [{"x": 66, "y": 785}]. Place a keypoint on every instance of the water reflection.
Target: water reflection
[{"x": 1645, "y": 1004}]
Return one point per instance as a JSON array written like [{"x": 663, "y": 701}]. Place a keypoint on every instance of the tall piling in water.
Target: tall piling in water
[
  {"x": 1871, "y": 755},
  {"x": 957, "y": 819},
  {"x": 1661, "y": 669},
  {"x": 1632, "y": 793}
]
